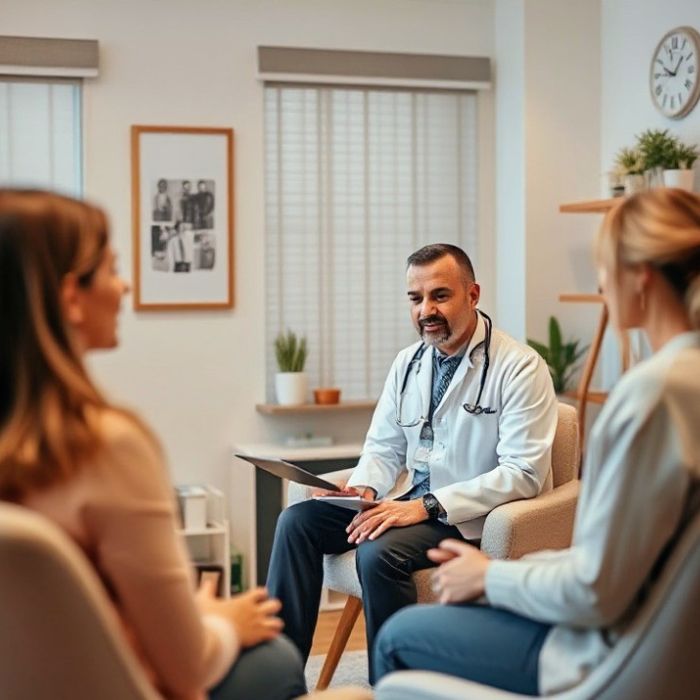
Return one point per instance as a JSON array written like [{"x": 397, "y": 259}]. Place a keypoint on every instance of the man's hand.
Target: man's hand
[
  {"x": 371, "y": 523},
  {"x": 253, "y": 614},
  {"x": 462, "y": 572}
]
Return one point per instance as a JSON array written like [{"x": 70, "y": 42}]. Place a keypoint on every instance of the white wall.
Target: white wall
[
  {"x": 562, "y": 131},
  {"x": 509, "y": 25},
  {"x": 196, "y": 376},
  {"x": 631, "y": 30},
  {"x": 547, "y": 152}
]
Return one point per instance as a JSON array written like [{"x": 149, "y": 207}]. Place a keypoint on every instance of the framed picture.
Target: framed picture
[{"x": 182, "y": 199}]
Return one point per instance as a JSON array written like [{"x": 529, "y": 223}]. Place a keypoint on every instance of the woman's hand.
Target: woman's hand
[
  {"x": 253, "y": 614},
  {"x": 461, "y": 575}
]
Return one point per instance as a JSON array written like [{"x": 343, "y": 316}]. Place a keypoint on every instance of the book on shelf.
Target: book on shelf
[{"x": 212, "y": 573}]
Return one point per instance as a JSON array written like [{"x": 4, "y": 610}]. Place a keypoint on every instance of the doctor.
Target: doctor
[{"x": 465, "y": 423}]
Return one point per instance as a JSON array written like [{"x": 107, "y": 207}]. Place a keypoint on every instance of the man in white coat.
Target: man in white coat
[{"x": 465, "y": 423}]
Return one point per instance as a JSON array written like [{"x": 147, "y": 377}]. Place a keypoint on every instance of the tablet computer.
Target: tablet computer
[
  {"x": 286, "y": 470},
  {"x": 350, "y": 502}
]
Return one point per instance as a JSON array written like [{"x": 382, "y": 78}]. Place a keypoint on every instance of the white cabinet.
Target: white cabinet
[
  {"x": 203, "y": 508},
  {"x": 210, "y": 546}
]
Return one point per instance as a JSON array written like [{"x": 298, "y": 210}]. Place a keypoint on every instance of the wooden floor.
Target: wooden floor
[{"x": 327, "y": 622}]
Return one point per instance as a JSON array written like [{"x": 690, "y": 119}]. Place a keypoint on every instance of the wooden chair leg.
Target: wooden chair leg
[{"x": 340, "y": 639}]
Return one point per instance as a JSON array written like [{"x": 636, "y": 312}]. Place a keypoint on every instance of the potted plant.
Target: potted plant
[
  {"x": 657, "y": 149},
  {"x": 291, "y": 382},
  {"x": 561, "y": 357},
  {"x": 679, "y": 172},
  {"x": 630, "y": 166}
]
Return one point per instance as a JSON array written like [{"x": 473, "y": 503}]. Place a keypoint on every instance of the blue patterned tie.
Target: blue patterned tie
[{"x": 447, "y": 366}]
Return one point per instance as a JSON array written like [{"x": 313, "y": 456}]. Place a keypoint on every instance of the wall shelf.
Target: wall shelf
[
  {"x": 273, "y": 409},
  {"x": 591, "y": 396},
  {"x": 592, "y": 206}
]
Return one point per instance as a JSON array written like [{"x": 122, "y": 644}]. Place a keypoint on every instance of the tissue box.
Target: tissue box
[{"x": 193, "y": 507}]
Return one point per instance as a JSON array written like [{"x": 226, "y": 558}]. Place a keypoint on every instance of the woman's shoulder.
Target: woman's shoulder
[
  {"x": 654, "y": 383},
  {"x": 675, "y": 367},
  {"x": 117, "y": 426},
  {"x": 130, "y": 457},
  {"x": 124, "y": 437}
]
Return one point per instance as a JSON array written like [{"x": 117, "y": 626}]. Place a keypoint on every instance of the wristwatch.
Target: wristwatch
[{"x": 432, "y": 506}]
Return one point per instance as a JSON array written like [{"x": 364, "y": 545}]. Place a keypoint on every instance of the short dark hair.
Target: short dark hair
[{"x": 430, "y": 253}]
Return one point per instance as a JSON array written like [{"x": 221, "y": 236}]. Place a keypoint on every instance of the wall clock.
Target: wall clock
[{"x": 673, "y": 75}]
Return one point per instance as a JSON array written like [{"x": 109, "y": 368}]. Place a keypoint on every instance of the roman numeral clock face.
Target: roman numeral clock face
[{"x": 674, "y": 81}]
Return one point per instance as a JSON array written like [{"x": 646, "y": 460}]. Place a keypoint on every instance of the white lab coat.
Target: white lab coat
[{"x": 478, "y": 461}]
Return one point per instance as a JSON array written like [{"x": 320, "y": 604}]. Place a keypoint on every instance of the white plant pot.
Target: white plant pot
[
  {"x": 291, "y": 388},
  {"x": 682, "y": 179},
  {"x": 634, "y": 184}
]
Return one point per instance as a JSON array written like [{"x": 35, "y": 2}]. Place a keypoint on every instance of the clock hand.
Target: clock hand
[{"x": 678, "y": 65}]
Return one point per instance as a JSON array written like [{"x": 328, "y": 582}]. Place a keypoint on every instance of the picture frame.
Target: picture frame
[{"x": 182, "y": 208}]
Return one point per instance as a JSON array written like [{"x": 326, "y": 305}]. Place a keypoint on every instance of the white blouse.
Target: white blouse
[{"x": 643, "y": 454}]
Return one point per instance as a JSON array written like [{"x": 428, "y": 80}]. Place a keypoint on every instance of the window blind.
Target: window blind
[
  {"x": 356, "y": 180},
  {"x": 40, "y": 135}
]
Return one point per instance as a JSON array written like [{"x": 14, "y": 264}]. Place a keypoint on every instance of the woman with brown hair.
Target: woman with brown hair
[
  {"x": 98, "y": 472},
  {"x": 554, "y": 616}
]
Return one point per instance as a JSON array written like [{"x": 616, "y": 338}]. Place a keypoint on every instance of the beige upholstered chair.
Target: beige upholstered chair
[
  {"x": 655, "y": 658},
  {"x": 511, "y": 530},
  {"x": 59, "y": 636}
]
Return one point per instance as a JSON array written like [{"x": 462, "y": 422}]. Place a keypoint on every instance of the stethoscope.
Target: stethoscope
[{"x": 475, "y": 409}]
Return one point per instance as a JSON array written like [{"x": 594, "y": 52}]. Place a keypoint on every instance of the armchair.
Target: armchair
[
  {"x": 59, "y": 637},
  {"x": 511, "y": 530}
]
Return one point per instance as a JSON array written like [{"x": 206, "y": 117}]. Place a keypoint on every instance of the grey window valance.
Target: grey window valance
[
  {"x": 22, "y": 55},
  {"x": 299, "y": 65}
]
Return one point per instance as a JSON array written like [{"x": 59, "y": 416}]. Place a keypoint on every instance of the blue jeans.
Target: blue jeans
[
  {"x": 475, "y": 642},
  {"x": 272, "y": 671}
]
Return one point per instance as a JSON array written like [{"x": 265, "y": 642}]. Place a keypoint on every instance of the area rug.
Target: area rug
[{"x": 352, "y": 670}]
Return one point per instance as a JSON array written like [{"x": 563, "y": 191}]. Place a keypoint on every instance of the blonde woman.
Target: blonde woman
[
  {"x": 553, "y": 616},
  {"x": 98, "y": 472}
]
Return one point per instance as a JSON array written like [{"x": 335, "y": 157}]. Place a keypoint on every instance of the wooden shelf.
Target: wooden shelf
[
  {"x": 273, "y": 409},
  {"x": 592, "y": 206},
  {"x": 582, "y": 298},
  {"x": 592, "y": 396}
]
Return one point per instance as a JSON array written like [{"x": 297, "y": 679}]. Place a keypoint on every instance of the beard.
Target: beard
[{"x": 438, "y": 336}]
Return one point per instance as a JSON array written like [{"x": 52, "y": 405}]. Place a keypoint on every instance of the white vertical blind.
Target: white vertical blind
[
  {"x": 356, "y": 180},
  {"x": 40, "y": 135}
]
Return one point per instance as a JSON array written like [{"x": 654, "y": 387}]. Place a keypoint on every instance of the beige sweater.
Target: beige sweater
[{"x": 121, "y": 512}]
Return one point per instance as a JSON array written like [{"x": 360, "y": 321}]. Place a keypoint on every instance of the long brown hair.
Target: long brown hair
[
  {"x": 660, "y": 227},
  {"x": 49, "y": 406}
]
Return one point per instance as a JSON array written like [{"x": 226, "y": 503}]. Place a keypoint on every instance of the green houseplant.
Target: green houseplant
[
  {"x": 629, "y": 167},
  {"x": 657, "y": 148},
  {"x": 291, "y": 382},
  {"x": 679, "y": 171},
  {"x": 628, "y": 161},
  {"x": 561, "y": 357},
  {"x": 290, "y": 352}
]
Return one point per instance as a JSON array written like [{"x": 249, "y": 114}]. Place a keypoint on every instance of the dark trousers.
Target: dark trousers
[
  {"x": 482, "y": 644},
  {"x": 308, "y": 530},
  {"x": 272, "y": 671}
]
